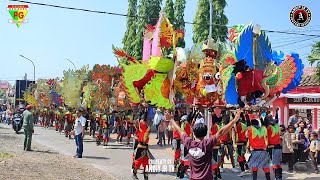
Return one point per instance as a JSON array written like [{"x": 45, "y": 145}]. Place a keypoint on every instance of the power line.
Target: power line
[
  {"x": 295, "y": 42},
  {"x": 126, "y": 15}
]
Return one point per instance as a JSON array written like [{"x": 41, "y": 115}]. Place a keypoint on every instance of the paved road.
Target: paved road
[{"x": 116, "y": 161}]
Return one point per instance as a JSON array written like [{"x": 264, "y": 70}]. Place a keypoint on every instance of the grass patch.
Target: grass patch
[{"x": 6, "y": 155}]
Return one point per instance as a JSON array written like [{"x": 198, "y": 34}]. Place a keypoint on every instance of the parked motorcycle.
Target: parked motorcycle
[{"x": 17, "y": 123}]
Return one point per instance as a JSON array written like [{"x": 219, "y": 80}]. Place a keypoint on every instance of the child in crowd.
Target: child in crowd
[
  {"x": 200, "y": 149},
  {"x": 287, "y": 147},
  {"x": 314, "y": 148}
]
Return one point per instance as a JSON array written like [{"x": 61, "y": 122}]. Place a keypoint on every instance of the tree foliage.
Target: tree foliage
[
  {"x": 130, "y": 34},
  {"x": 169, "y": 11},
  {"x": 179, "y": 7},
  {"x": 314, "y": 58},
  {"x": 202, "y": 20}
]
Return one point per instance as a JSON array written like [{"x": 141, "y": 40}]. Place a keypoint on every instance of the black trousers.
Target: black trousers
[{"x": 289, "y": 157}]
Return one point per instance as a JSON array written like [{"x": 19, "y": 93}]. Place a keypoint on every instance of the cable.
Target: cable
[
  {"x": 126, "y": 15},
  {"x": 295, "y": 42}
]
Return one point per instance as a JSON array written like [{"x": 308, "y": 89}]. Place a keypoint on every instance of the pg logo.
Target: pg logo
[{"x": 18, "y": 14}]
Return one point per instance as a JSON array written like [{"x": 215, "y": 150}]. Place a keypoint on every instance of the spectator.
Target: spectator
[
  {"x": 170, "y": 133},
  {"x": 287, "y": 147},
  {"x": 28, "y": 127},
  {"x": 79, "y": 130},
  {"x": 294, "y": 118},
  {"x": 300, "y": 141},
  {"x": 161, "y": 130},
  {"x": 314, "y": 148},
  {"x": 157, "y": 119}
]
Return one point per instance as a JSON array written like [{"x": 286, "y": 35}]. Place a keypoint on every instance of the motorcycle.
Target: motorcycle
[{"x": 17, "y": 123}]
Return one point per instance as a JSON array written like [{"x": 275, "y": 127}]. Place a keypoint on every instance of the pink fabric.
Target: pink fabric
[{"x": 155, "y": 51}]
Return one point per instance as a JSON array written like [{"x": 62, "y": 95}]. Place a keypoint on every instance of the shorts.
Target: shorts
[{"x": 227, "y": 149}]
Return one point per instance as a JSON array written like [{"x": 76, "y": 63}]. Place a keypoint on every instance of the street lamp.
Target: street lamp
[
  {"x": 34, "y": 67},
  {"x": 72, "y": 63}
]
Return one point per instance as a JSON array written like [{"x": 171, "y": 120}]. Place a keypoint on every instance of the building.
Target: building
[{"x": 305, "y": 98}]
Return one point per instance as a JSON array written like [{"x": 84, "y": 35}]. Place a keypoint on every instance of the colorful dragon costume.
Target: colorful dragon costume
[
  {"x": 151, "y": 79},
  {"x": 72, "y": 85},
  {"x": 101, "y": 90},
  {"x": 253, "y": 70}
]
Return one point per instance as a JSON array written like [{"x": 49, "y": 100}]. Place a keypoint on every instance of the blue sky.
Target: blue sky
[{"x": 52, "y": 34}]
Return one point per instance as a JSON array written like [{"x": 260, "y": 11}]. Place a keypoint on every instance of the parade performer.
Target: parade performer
[
  {"x": 176, "y": 143},
  {"x": 216, "y": 155},
  {"x": 241, "y": 142},
  {"x": 184, "y": 159},
  {"x": 106, "y": 127},
  {"x": 274, "y": 145},
  {"x": 93, "y": 126},
  {"x": 130, "y": 127},
  {"x": 136, "y": 136},
  {"x": 227, "y": 145},
  {"x": 68, "y": 124},
  {"x": 142, "y": 154},
  {"x": 240, "y": 130},
  {"x": 120, "y": 129},
  {"x": 99, "y": 129},
  {"x": 258, "y": 142}
]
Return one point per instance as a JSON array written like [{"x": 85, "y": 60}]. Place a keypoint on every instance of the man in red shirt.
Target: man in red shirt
[
  {"x": 216, "y": 160},
  {"x": 200, "y": 149},
  {"x": 227, "y": 145},
  {"x": 241, "y": 142},
  {"x": 258, "y": 143},
  {"x": 274, "y": 145}
]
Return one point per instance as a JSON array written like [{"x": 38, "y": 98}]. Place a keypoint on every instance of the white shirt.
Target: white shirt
[{"x": 78, "y": 124}]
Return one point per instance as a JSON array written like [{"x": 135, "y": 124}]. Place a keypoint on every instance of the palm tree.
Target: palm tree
[{"x": 314, "y": 57}]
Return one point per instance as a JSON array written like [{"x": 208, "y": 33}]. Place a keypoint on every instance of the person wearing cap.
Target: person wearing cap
[
  {"x": 258, "y": 143},
  {"x": 274, "y": 143},
  {"x": 158, "y": 117},
  {"x": 79, "y": 130},
  {"x": 28, "y": 127}
]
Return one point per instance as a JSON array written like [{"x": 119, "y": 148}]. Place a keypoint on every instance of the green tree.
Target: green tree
[
  {"x": 153, "y": 11},
  {"x": 314, "y": 57},
  {"x": 202, "y": 20},
  {"x": 130, "y": 34},
  {"x": 169, "y": 11},
  {"x": 179, "y": 8},
  {"x": 141, "y": 27}
]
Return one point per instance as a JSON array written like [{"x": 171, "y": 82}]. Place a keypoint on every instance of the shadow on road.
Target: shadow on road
[
  {"x": 45, "y": 152},
  {"x": 95, "y": 157}
]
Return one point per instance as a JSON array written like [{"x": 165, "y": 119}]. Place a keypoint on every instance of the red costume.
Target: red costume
[{"x": 250, "y": 82}]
